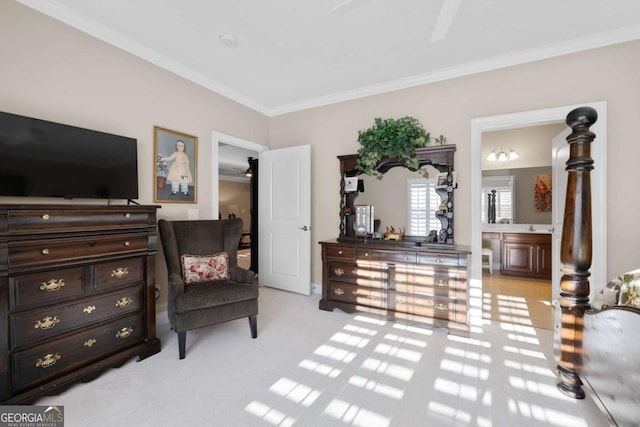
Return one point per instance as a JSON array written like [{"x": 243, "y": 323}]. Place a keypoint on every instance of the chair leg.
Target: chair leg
[
  {"x": 182, "y": 341},
  {"x": 253, "y": 323}
]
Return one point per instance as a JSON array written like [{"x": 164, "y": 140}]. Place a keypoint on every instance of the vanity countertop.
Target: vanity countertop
[{"x": 518, "y": 228}]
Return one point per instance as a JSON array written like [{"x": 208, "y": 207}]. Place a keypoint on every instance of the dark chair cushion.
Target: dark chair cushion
[{"x": 213, "y": 294}]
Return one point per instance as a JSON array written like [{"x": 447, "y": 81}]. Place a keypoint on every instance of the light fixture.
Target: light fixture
[
  {"x": 502, "y": 155},
  {"x": 229, "y": 40}
]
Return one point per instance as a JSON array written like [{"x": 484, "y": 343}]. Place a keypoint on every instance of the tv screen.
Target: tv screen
[{"x": 41, "y": 158}]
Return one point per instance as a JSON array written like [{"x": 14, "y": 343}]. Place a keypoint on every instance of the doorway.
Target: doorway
[
  {"x": 598, "y": 178},
  {"x": 235, "y": 194}
]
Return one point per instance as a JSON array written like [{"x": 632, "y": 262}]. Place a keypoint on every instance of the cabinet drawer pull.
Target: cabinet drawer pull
[
  {"x": 89, "y": 309},
  {"x": 124, "y": 302},
  {"x": 126, "y": 243},
  {"x": 48, "y": 360},
  {"x": 441, "y": 307},
  {"x": 52, "y": 285},
  {"x": 45, "y": 217},
  {"x": 338, "y": 291},
  {"x": 45, "y": 251},
  {"x": 119, "y": 272},
  {"x": 438, "y": 260},
  {"x": 366, "y": 254},
  {"x": 338, "y": 271},
  {"x": 124, "y": 332},
  {"x": 339, "y": 252},
  {"x": 441, "y": 283},
  {"x": 127, "y": 215},
  {"x": 47, "y": 322},
  {"x": 90, "y": 342}
]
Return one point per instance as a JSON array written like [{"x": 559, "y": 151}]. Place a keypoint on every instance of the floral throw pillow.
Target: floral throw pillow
[
  {"x": 205, "y": 268},
  {"x": 630, "y": 290}
]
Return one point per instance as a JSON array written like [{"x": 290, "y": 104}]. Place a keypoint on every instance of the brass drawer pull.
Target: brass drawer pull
[
  {"x": 438, "y": 260},
  {"x": 338, "y": 291},
  {"x": 90, "y": 342},
  {"x": 400, "y": 301},
  {"x": 89, "y": 309},
  {"x": 124, "y": 332},
  {"x": 441, "y": 283},
  {"x": 338, "y": 271},
  {"x": 48, "y": 360},
  {"x": 119, "y": 272},
  {"x": 124, "y": 302},
  {"x": 127, "y": 243},
  {"x": 47, "y": 322},
  {"x": 45, "y": 217},
  {"x": 339, "y": 252},
  {"x": 52, "y": 285},
  {"x": 45, "y": 251},
  {"x": 127, "y": 215},
  {"x": 441, "y": 307}
]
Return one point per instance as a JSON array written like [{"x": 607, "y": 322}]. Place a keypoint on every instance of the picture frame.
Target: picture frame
[
  {"x": 176, "y": 157},
  {"x": 350, "y": 184}
]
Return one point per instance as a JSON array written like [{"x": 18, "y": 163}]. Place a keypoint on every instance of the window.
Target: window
[
  {"x": 423, "y": 202},
  {"x": 505, "y": 198}
]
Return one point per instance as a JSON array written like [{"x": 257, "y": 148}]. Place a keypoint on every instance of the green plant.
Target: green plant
[
  {"x": 441, "y": 140},
  {"x": 393, "y": 139}
]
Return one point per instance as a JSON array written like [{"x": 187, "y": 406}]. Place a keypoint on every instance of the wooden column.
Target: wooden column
[{"x": 576, "y": 247}]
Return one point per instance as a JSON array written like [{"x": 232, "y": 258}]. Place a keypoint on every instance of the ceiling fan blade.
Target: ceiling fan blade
[
  {"x": 445, "y": 19},
  {"x": 347, "y": 5}
]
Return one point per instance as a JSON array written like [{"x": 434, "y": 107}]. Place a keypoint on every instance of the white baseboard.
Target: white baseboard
[{"x": 316, "y": 288}]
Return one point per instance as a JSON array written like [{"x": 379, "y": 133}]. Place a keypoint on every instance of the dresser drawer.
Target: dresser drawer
[
  {"x": 44, "y": 362},
  {"x": 426, "y": 280},
  {"x": 358, "y": 295},
  {"x": 343, "y": 271},
  {"x": 438, "y": 307},
  {"x": 344, "y": 252},
  {"x": 114, "y": 274},
  {"x": 387, "y": 256},
  {"x": 34, "y": 326},
  {"x": 436, "y": 259},
  {"x": 52, "y": 220},
  {"x": 49, "y": 287},
  {"x": 57, "y": 250}
]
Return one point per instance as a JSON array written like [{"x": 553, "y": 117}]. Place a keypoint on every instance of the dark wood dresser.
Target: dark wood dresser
[
  {"x": 418, "y": 283},
  {"x": 77, "y": 294}
]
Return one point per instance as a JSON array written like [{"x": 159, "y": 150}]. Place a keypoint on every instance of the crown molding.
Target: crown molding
[{"x": 60, "y": 12}]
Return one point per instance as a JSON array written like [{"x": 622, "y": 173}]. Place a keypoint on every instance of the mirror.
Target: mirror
[
  {"x": 529, "y": 171},
  {"x": 390, "y": 198}
]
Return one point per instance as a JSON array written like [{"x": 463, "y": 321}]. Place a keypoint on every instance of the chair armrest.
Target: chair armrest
[
  {"x": 176, "y": 286},
  {"x": 242, "y": 275}
]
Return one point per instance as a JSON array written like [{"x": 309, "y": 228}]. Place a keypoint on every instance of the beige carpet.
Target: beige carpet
[{"x": 315, "y": 368}]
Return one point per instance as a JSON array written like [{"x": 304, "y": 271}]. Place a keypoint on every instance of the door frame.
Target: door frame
[{"x": 524, "y": 119}]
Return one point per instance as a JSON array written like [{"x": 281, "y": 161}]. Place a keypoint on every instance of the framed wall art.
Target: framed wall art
[{"x": 175, "y": 154}]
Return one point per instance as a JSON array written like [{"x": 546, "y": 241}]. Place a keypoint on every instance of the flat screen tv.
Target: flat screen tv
[{"x": 39, "y": 158}]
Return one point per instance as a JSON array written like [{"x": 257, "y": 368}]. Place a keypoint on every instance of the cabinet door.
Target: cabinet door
[
  {"x": 517, "y": 257},
  {"x": 544, "y": 260}
]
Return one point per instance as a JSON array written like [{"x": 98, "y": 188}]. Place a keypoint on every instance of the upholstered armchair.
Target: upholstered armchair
[{"x": 205, "y": 292}]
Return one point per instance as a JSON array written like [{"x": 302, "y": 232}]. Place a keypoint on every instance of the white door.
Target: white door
[
  {"x": 559, "y": 156},
  {"x": 284, "y": 219}
]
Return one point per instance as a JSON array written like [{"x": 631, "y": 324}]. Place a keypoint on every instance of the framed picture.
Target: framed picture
[
  {"x": 176, "y": 159},
  {"x": 350, "y": 184}
]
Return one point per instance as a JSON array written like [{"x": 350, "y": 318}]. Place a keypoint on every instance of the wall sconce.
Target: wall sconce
[{"x": 502, "y": 156}]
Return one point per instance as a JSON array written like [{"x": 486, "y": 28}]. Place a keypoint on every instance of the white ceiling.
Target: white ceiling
[{"x": 297, "y": 54}]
